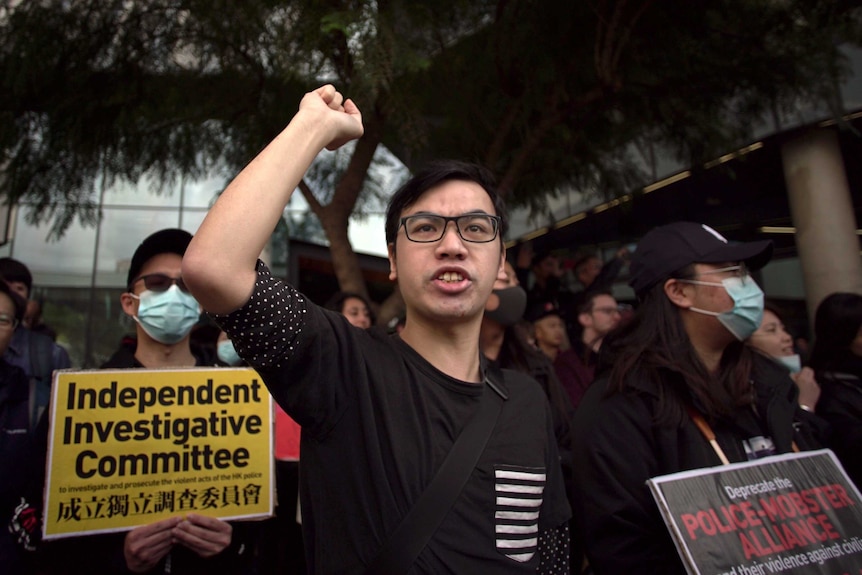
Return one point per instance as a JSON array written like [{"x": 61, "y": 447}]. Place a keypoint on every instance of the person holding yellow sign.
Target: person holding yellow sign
[{"x": 164, "y": 312}]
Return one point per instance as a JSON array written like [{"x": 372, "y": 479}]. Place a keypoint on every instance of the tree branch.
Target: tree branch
[{"x": 316, "y": 207}]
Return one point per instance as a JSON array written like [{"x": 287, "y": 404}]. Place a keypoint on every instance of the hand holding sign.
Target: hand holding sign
[
  {"x": 134, "y": 447},
  {"x": 206, "y": 536},
  {"x": 145, "y": 546}
]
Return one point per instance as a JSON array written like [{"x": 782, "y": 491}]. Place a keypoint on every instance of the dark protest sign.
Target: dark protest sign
[
  {"x": 790, "y": 514},
  {"x": 131, "y": 447}
]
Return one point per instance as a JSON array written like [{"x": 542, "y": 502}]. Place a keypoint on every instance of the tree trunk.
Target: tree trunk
[{"x": 335, "y": 216}]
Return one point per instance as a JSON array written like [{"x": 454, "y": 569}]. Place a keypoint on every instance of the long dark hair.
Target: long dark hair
[
  {"x": 516, "y": 353},
  {"x": 339, "y": 298},
  {"x": 654, "y": 345},
  {"x": 836, "y": 324}
]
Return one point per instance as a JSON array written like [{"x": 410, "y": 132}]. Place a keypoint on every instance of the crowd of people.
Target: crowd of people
[{"x": 541, "y": 404}]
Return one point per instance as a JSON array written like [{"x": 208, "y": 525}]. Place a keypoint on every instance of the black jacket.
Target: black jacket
[
  {"x": 840, "y": 404},
  {"x": 17, "y": 463},
  {"x": 620, "y": 445}
]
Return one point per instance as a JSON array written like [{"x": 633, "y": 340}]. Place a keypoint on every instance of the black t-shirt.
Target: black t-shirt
[{"x": 377, "y": 422}]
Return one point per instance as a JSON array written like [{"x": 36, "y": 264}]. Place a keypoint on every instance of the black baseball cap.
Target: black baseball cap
[
  {"x": 540, "y": 310},
  {"x": 168, "y": 241},
  {"x": 667, "y": 249},
  {"x": 14, "y": 271}
]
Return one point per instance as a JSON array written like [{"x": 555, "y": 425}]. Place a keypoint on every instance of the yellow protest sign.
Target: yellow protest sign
[{"x": 133, "y": 446}]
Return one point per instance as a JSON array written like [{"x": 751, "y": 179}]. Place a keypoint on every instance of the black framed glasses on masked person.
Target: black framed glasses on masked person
[{"x": 160, "y": 283}]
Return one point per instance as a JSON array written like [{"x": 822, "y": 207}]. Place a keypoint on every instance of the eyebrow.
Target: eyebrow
[{"x": 476, "y": 212}]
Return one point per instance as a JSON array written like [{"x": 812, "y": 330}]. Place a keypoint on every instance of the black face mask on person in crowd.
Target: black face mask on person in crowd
[{"x": 512, "y": 301}]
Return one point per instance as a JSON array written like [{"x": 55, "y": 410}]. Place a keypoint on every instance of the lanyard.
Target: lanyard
[{"x": 709, "y": 435}]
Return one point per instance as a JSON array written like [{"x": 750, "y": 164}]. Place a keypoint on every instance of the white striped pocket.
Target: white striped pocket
[{"x": 516, "y": 518}]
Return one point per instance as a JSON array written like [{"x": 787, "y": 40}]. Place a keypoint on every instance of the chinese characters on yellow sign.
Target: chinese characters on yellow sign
[{"x": 130, "y": 447}]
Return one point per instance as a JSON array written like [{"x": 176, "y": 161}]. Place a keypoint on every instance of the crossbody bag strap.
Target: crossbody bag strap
[{"x": 418, "y": 526}]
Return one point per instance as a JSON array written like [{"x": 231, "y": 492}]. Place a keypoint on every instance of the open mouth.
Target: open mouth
[{"x": 450, "y": 277}]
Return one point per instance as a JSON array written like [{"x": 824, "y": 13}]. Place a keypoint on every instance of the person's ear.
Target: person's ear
[
  {"x": 585, "y": 319},
  {"x": 129, "y": 304},
  {"x": 393, "y": 268},
  {"x": 501, "y": 271},
  {"x": 679, "y": 293}
]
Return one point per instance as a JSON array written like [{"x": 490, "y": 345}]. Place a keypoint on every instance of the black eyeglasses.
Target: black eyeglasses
[
  {"x": 427, "y": 228},
  {"x": 160, "y": 283}
]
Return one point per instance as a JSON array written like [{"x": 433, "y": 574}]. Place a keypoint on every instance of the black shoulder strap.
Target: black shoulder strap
[{"x": 419, "y": 525}]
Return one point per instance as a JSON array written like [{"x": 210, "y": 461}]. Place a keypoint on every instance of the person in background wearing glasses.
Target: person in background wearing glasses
[
  {"x": 379, "y": 413},
  {"x": 36, "y": 353},
  {"x": 17, "y": 443},
  {"x": 679, "y": 366},
  {"x": 164, "y": 312},
  {"x": 575, "y": 367}
]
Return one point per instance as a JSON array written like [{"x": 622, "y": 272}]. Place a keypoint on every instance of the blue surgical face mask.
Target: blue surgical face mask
[
  {"x": 747, "y": 313},
  {"x": 167, "y": 316},
  {"x": 791, "y": 362},
  {"x": 227, "y": 353}
]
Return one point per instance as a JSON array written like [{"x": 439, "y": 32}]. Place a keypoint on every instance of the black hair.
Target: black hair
[
  {"x": 433, "y": 175},
  {"x": 18, "y": 302},
  {"x": 585, "y": 305},
  {"x": 775, "y": 309},
  {"x": 654, "y": 345},
  {"x": 836, "y": 324},
  {"x": 338, "y": 299},
  {"x": 14, "y": 271},
  {"x": 541, "y": 256},
  {"x": 582, "y": 259}
]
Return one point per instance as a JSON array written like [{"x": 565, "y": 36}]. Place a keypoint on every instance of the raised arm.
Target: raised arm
[{"x": 219, "y": 264}]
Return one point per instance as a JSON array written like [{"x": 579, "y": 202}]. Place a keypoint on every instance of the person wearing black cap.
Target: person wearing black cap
[
  {"x": 548, "y": 328},
  {"x": 164, "y": 312},
  {"x": 680, "y": 360},
  {"x": 157, "y": 300}
]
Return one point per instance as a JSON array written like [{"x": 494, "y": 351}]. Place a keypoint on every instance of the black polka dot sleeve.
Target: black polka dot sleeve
[
  {"x": 268, "y": 328},
  {"x": 554, "y": 551}
]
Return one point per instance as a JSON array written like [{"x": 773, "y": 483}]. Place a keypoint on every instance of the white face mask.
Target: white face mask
[
  {"x": 747, "y": 313},
  {"x": 227, "y": 353},
  {"x": 791, "y": 362},
  {"x": 167, "y": 316}
]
